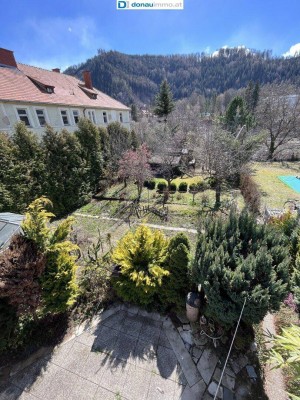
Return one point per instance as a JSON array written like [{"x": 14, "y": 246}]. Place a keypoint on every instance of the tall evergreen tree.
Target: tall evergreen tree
[
  {"x": 134, "y": 112},
  {"x": 238, "y": 259},
  {"x": 120, "y": 140},
  {"x": 164, "y": 104},
  {"x": 6, "y": 169},
  {"x": 88, "y": 136},
  {"x": 237, "y": 116},
  {"x": 65, "y": 184},
  {"x": 21, "y": 169},
  {"x": 105, "y": 146},
  {"x": 29, "y": 169}
]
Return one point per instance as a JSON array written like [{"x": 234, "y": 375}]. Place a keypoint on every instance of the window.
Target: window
[
  {"x": 105, "y": 117},
  {"x": 91, "y": 116},
  {"x": 49, "y": 89},
  {"x": 41, "y": 117},
  {"x": 23, "y": 116},
  {"x": 76, "y": 116},
  {"x": 121, "y": 117},
  {"x": 65, "y": 117}
]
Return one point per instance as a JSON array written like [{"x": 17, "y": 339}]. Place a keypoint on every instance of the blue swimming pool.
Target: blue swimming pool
[{"x": 292, "y": 181}]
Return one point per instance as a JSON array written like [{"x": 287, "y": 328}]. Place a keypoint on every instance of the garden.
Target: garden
[
  {"x": 147, "y": 238},
  {"x": 229, "y": 265}
]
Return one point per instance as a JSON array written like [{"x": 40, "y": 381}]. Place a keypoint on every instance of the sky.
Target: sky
[{"x": 57, "y": 33}]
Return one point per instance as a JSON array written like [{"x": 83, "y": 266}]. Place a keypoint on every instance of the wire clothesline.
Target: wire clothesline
[{"x": 227, "y": 358}]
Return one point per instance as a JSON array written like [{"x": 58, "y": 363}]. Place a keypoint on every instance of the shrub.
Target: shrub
[
  {"x": 177, "y": 284},
  {"x": 59, "y": 288},
  {"x": 21, "y": 268},
  {"x": 173, "y": 187},
  {"x": 201, "y": 186},
  {"x": 14, "y": 330},
  {"x": 295, "y": 280},
  {"x": 286, "y": 353},
  {"x": 93, "y": 286},
  {"x": 94, "y": 279},
  {"x": 58, "y": 281},
  {"x": 250, "y": 192},
  {"x": 205, "y": 200},
  {"x": 193, "y": 187},
  {"x": 183, "y": 187},
  {"x": 236, "y": 258},
  {"x": 150, "y": 184},
  {"x": 212, "y": 182},
  {"x": 161, "y": 186},
  {"x": 140, "y": 256}
]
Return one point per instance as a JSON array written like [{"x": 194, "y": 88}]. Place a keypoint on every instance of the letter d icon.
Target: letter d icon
[{"x": 122, "y": 4}]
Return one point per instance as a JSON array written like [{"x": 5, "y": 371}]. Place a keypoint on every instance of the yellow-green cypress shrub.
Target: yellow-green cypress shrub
[{"x": 140, "y": 255}]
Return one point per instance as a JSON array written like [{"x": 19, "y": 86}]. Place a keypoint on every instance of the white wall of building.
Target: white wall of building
[{"x": 9, "y": 116}]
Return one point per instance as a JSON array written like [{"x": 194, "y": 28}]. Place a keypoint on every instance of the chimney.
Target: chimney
[
  {"x": 87, "y": 79},
  {"x": 7, "y": 58},
  {"x": 56, "y": 70}
]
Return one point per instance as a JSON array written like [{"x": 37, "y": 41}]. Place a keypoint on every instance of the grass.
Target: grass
[
  {"x": 274, "y": 192},
  {"x": 183, "y": 211}
]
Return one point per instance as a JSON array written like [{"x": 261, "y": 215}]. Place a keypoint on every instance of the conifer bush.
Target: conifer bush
[
  {"x": 295, "y": 281},
  {"x": 58, "y": 281},
  {"x": 177, "y": 284},
  {"x": 151, "y": 184},
  {"x": 140, "y": 256},
  {"x": 173, "y": 187},
  {"x": 161, "y": 186},
  {"x": 182, "y": 187},
  {"x": 236, "y": 258}
]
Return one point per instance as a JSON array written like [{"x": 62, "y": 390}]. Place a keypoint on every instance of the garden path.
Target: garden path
[
  {"x": 167, "y": 228},
  {"x": 274, "y": 382}
]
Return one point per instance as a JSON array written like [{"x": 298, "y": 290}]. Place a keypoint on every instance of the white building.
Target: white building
[{"x": 38, "y": 97}]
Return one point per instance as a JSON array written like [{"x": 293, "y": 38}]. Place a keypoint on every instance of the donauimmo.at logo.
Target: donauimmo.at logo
[{"x": 150, "y": 5}]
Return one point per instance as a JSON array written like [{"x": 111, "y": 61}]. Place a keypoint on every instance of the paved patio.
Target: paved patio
[{"x": 126, "y": 354}]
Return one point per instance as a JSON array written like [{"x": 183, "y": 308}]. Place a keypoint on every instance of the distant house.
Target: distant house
[
  {"x": 38, "y": 97},
  {"x": 182, "y": 159},
  {"x": 9, "y": 225}
]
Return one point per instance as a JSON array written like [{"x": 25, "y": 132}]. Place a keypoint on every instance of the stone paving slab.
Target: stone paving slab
[
  {"x": 125, "y": 355},
  {"x": 136, "y": 386},
  {"x": 207, "y": 364},
  {"x": 184, "y": 358}
]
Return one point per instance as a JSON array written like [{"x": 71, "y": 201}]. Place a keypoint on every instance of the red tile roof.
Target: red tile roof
[{"x": 16, "y": 86}]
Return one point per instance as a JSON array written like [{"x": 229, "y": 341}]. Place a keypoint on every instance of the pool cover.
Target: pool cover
[{"x": 292, "y": 181}]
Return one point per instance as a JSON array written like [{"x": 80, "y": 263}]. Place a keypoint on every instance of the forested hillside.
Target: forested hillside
[{"x": 136, "y": 78}]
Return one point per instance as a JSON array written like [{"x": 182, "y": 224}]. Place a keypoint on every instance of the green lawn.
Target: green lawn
[
  {"x": 274, "y": 192},
  {"x": 183, "y": 212}
]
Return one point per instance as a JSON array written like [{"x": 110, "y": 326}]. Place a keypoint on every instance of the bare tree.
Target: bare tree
[
  {"x": 223, "y": 156},
  {"x": 135, "y": 165},
  {"x": 169, "y": 148},
  {"x": 278, "y": 114}
]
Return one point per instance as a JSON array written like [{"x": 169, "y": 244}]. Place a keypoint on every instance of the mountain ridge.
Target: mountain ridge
[{"x": 136, "y": 78}]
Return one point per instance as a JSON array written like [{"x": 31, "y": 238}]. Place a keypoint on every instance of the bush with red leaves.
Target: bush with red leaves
[{"x": 21, "y": 266}]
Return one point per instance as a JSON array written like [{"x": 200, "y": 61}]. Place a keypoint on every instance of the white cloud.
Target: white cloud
[{"x": 293, "y": 51}]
